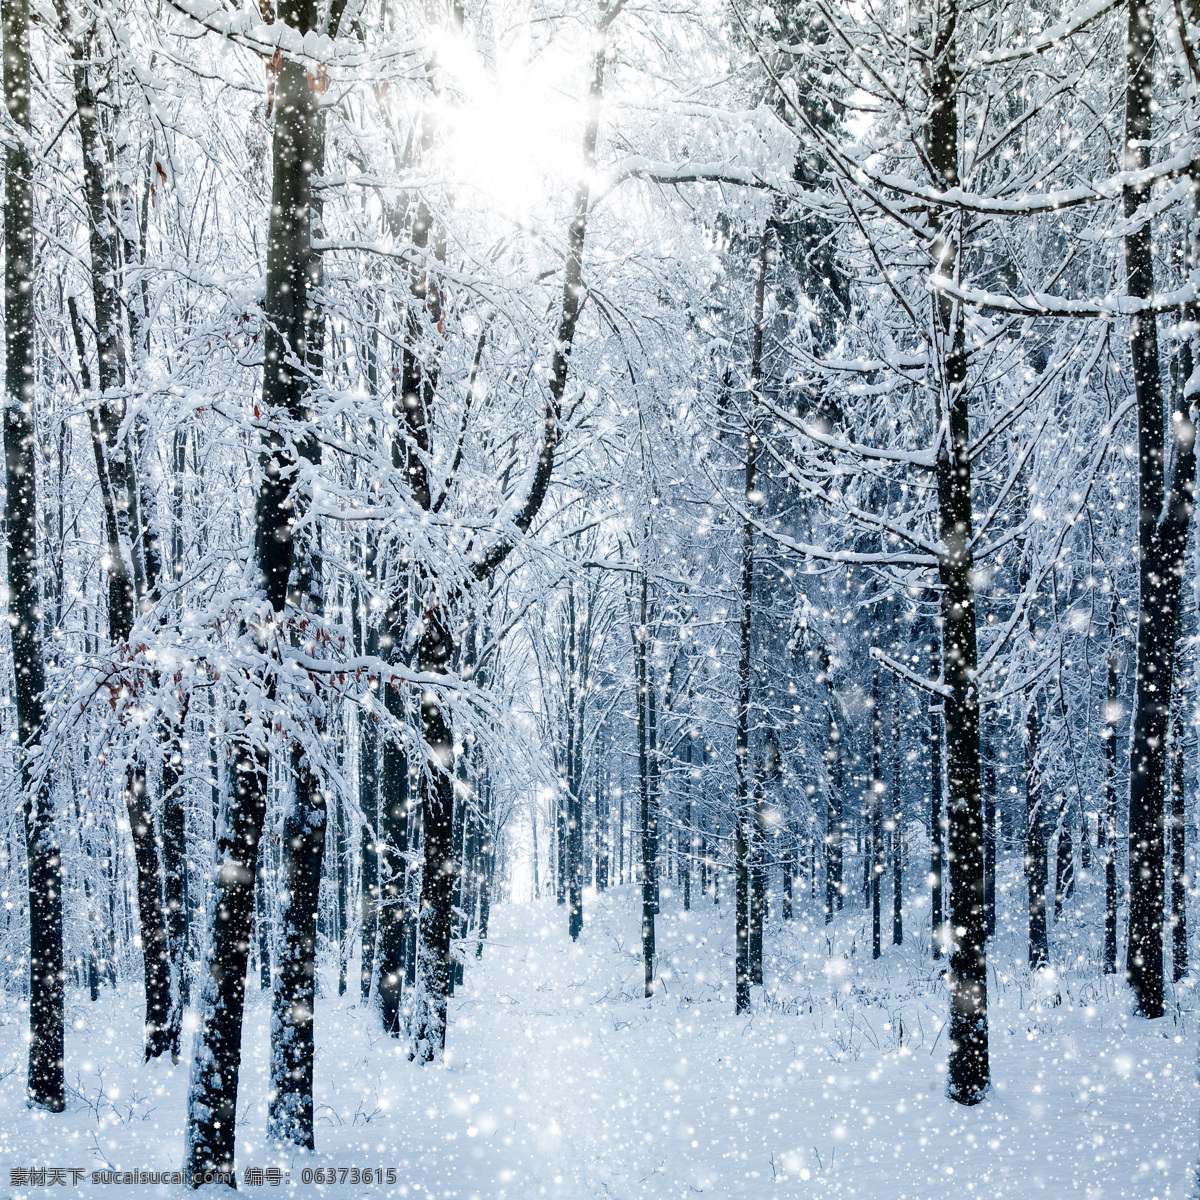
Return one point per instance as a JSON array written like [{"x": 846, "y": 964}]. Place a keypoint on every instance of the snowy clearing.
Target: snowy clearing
[{"x": 561, "y": 1080}]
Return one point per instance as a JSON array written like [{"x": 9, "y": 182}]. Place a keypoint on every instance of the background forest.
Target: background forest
[{"x": 677, "y": 517}]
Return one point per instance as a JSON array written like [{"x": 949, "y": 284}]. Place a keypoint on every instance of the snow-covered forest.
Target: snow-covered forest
[{"x": 601, "y": 597}]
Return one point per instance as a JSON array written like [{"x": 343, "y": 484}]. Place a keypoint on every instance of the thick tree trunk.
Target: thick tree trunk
[
  {"x": 45, "y": 1079},
  {"x": 212, "y": 1095},
  {"x": 969, "y": 1073},
  {"x": 298, "y": 148},
  {"x": 155, "y": 947},
  {"x": 1162, "y": 540},
  {"x": 290, "y": 1104},
  {"x": 213, "y": 1090}
]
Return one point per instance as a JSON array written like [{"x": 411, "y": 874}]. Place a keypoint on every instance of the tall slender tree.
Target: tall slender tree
[
  {"x": 969, "y": 1073},
  {"x": 46, "y": 978},
  {"x": 1164, "y": 512},
  {"x": 288, "y": 441}
]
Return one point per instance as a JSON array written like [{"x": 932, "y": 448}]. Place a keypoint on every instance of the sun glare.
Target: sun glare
[{"x": 510, "y": 124}]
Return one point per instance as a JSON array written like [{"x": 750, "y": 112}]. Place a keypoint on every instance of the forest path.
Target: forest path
[{"x": 562, "y": 1080}]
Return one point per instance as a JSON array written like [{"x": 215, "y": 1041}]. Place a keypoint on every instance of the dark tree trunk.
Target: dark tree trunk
[
  {"x": 621, "y": 837},
  {"x": 115, "y": 469},
  {"x": 487, "y": 864},
  {"x": 437, "y": 881},
  {"x": 989, "y": 838},
  {"x": 864, "y": 846},
  {"x": 412, "y": 892},
  {"x": 174, "y": 825},
  {"x": 1036, "y": 868},
  {"x": 1109, "y": 824},
  {"x": 757, "y": 883},
  {"x": 290, "y": 1107},
  {"x": 460, "y": 824},
  {"x": 155, "y": 947},
  {"x": 392, "y": 864},
  {"x": 791, "y": 872},
  {"x": 969, "y": 1072},
  {"x": 835, "y": 820},
  {"x": 175, "y": 877},
  {"x": 537, "y": 889},
  {"x": 742, "y": 814},
  {"x": 652, "y": 769},
  {"x": 368, "y": 799},
  {"x": 574, "y": 775},
  {"x": 649, "y": 850},
  {"x": 292, "y": 269},
  {"x": 213, "y": 1090},
  {"x": 45, "y": 1079},
  {"x": 1179, "y": 946},
  {"x": 342, "y": 874},
  {"x": 1162, "y": 540},
  {"x": 212, "y": 1095},
  {"x": 604, "y": 831},
  {"x": 561, "y": 854},
  {"x": 897, "y": 825},
  {"x": 936, "y": 820},
  {"x": 876, "y": 821},
  {"x": 690, "y": 849}
]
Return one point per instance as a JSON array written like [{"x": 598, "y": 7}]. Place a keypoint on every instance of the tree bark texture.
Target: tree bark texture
[
  {"x": 969, "y": 1073},
  {"x": 897, "y": 825},
  {"x": 213, "y": 1089},
  {"x": 212, "y": 1096},
  {"x": 293, "y": 996},
  {"x": 936, "y": 819},
  {"x": 44, "y": 1084},
  {"x": 649, "y": 850},
  {"x": 875, "y": 816},
  {"x": 1164, "y": 513}
]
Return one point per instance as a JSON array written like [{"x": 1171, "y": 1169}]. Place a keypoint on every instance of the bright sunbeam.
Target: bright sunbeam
[{"x": 510, "y": 127}]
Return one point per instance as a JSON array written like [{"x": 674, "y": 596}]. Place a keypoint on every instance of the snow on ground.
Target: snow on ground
[{"x": 562, "y": 1081}]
